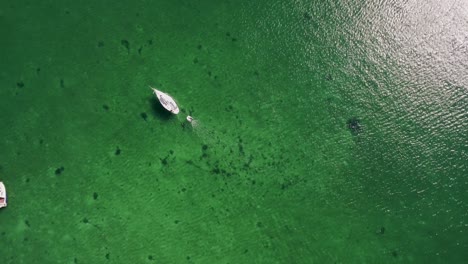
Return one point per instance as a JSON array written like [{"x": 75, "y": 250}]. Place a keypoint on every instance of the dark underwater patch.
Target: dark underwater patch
[
  {"x": 354, "y": 125},
  {"x": 59, "y": 171},
  {"x": 144, "y": 116},
  {"x": 126, "y": 44}
]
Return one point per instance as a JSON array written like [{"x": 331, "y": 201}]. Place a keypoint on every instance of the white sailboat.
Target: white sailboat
[
  {"x": 3, "y": 196},
  {"x": 166, "y": 101}
]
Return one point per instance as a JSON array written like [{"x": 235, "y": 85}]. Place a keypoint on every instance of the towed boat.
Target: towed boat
[
  {"x": 3, "y": 196},
  {"x": 166, "y": 101}
]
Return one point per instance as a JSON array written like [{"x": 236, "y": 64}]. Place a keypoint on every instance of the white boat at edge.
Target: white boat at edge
[
  {"x": 3, "y": 195},
  {"x": 166, "y": 101}
]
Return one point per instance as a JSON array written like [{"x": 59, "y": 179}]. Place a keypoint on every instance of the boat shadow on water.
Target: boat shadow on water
[{"x": 159, "y": 112}]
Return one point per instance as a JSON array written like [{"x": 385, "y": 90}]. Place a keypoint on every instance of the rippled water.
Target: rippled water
[
  {"x": 328, "y": 132},
  {"x": 398, "y": 69}
]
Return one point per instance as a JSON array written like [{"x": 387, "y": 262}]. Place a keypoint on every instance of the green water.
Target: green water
[{"x": 328, "y": 132}]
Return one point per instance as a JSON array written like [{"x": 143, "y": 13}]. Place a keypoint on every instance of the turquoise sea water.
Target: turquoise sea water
[{"x": 328, "y": 132}]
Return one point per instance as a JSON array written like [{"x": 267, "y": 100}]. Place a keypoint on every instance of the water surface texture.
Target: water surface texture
[{"x": 327, "y": 131}]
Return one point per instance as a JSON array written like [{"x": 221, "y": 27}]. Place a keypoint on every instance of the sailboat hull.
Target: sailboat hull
[
  {"x": 166, "y": 101},
  {"x": 3, "y": 195}
]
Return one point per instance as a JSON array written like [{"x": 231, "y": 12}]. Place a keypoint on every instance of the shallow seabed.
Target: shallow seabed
[{"x": 328, "y": 132}]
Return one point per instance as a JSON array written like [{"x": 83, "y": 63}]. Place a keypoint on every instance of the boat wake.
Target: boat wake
[
  {"x": 204, "y": 132},
  {"x": 199, "y": 128}
]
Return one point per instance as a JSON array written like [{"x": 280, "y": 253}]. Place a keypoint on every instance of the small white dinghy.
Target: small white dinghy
[
  {"x": 166, "y": 101},
  {"x": 3, "y": 196}
]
